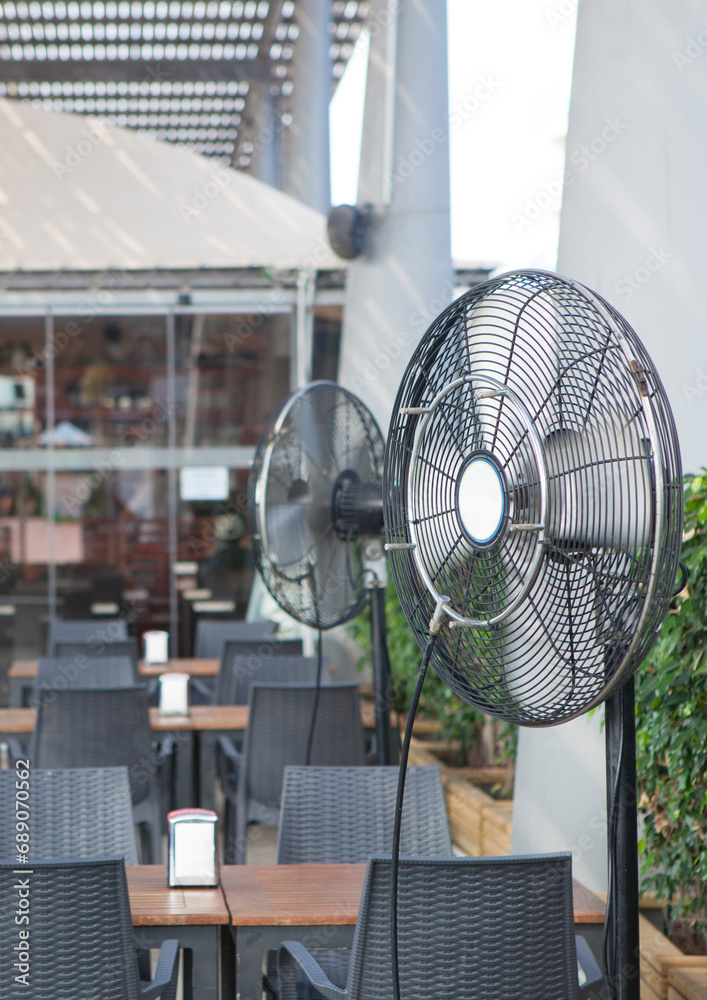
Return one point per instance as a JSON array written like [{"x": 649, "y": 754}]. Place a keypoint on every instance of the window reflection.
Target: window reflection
[
  {"x": 231, "y": 373},
  {"x": 111, "y": 379},
  {"x": 22, "y": 382}
]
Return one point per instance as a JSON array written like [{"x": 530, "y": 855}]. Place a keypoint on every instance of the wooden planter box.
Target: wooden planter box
[
  {"x": 480, "y": 825},
  {"x": 666, "y": 972}
]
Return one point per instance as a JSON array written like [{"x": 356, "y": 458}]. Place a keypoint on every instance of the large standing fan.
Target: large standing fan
[
  {"x": 316, "y": 503},
  {"x": 533, "y": 511}
]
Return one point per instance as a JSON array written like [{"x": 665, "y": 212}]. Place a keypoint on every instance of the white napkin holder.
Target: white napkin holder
[
  {"x": 155, "y": 647},
  {"x": 192, "y": 848},
  {"x": 174, "y": 694}
]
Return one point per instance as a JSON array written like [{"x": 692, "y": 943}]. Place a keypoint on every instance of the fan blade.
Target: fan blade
[
  {"x": 311, "y": 433},
  {"x": 288, "y": 533},
  {"x": 526, "y": 350},
  {"x": 552, "y": 655}
]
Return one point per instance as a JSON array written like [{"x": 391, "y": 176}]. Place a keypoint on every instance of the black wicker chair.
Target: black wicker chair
[
  {"x": 278, "y": 733},
  {"x": 60, "y": 673},
  {"x": 106, "y": 728},
  {"x": 241, "y": 660},
  {"x": 239, "y": 673},
  {"x": 211, "y": 635},
  {"x": 74, "y": 813},
  {"x": 344, "y": 814},
  {"x": 96, "y": 648},
  {"x": 79, "y": 934},
  {"x": 469, "y": 928},
  {"x": 92, "y": 629},
  {"x": 232, "y": 687}
]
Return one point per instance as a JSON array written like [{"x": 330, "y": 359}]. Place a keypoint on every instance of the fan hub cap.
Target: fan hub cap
[{"x": 481, "y": 499}]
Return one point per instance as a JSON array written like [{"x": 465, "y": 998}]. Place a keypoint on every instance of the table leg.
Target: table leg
[
  {"x": 252, "y": 942},
  {"x": 200, "y": 945},
  {"x": 17, "y": 692},
  {"x": 184, "y": 774},
  {"x": 206, "y": 754}
]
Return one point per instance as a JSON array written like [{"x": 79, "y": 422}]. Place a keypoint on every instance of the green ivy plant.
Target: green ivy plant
[
  {"x": 459, "y": 720},
  {"x": 671, "y": 719}
]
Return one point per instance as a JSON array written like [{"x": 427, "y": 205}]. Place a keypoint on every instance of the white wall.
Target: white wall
[
  {"x": 559, "y": 801},
  {"x": 635, "y": 200}
]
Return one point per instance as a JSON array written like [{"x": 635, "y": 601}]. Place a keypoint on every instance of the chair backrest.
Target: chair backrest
[
  {"x": 80, "y": 935},
  {"x": 74, "y": 813},
  {"x": 471, "y": 928},
  {"x": 83, "y": 672},
  {"x": 344, "y": 814},
  {"x": 211, "y": 635},
  {"x": 255, "y": 653},
  {"x": 96, "y": 648},
  {"x": 239, "y": 673},
  {"x": 96, "y": 728},
  {"x": 103, "y": 629},
  {"x": 278, "y": 730}
]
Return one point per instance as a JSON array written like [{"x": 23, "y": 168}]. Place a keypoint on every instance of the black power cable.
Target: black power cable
[
  {"x": 316, "y": 699},
  {"x": 435, "y": 625}
]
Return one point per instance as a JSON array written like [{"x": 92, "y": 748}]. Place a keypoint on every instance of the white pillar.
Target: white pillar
[
  {"x": 265, "y": 134},
  {"x": 632, "y": 223},
  {"x": 405, "y": 279},
  {"x": 306, "y": 168},
  {"x": 632, "y": 229}
]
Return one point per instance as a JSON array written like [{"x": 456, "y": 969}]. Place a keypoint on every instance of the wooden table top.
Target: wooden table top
[
  {"x": 153, "y": 903},
  {"x": 232, "y": 718},
  {"x": 27, "y": 669},
  {"x": 289, "y": 895}
]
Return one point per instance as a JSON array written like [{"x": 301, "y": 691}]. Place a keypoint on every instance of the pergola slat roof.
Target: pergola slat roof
[{"x": 178, "y": 70}]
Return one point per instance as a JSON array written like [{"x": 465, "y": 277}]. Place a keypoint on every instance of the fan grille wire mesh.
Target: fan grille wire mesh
[
  {"x": 311, "y": 571},
  {"x": 611, "y": 539}
]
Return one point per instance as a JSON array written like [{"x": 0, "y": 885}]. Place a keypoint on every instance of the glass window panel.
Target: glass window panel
[
  {"x": 327, "y": 337},
  {"x": 122, "y": 521},
  {"x": 215, "y": 560},
  {"x": 24, "y": 556},
  {"x": 111, "y": 379},
  {"x": 232, "y": 371},
  {"x": 22, "y": 381}
]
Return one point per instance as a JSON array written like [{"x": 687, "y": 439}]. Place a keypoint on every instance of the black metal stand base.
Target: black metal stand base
[{"x": 622, "y": 952}]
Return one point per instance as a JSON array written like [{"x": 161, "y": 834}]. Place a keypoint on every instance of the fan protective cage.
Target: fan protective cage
[
  {"x": 532, "y": 470},
  {"x": 314, "y": 571}
]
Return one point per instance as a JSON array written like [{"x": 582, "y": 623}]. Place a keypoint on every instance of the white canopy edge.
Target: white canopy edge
[{"x": 77, "y": 194}]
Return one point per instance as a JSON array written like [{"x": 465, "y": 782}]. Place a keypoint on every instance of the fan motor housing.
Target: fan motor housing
[
  {"x": 356, "y": 507},
  {"x": 482, "y": 499}
]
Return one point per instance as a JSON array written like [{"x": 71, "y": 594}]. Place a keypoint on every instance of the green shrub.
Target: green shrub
[{"x": 671, "y": 716}]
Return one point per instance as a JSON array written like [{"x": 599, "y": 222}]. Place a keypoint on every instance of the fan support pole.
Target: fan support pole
[
  {"x": 381, "y": 676},
  {"x": 622, "y": 902}
]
